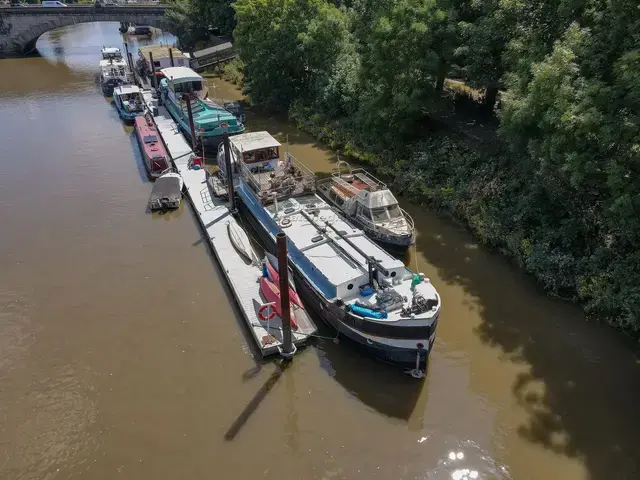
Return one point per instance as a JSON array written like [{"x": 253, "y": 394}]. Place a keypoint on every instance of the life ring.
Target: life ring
[
  {"x": 285, "y": 222},
  {"x": 262, "y": 309}
]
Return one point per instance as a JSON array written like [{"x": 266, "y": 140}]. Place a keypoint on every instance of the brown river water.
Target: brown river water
[{"x": 123, "y": 356}]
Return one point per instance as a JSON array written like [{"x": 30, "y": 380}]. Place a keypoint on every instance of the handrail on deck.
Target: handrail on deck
[
  {"x": 290, "y": 178},
  {"x": 360, "y": 173}
]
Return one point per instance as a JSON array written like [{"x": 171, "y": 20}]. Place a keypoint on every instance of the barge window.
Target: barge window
[{"x": 150, "y": 139}]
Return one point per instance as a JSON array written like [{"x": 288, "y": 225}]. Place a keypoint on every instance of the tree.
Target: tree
[
  {"x": 288, "y": 47},
  {"x": 185, "y": 23},
  {"x": 484, "y": 33},
  {"x": 405, "y": 63}
]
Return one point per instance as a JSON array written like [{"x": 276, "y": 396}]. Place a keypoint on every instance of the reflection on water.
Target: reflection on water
[
  {"x": 466, "y": 461},
  {"x": 122, "y": 355}
]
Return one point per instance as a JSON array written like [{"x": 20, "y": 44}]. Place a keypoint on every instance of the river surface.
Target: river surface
[{"x": 122, "y": 355}]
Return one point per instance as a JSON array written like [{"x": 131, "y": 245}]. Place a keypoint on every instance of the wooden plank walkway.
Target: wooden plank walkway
[{"x": 214, "y": 216}]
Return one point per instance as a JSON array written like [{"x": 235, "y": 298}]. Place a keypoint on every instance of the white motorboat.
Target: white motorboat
[{"x": 370, "y": 205}]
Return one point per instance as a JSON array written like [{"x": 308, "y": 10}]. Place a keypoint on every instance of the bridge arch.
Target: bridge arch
[{"x": 23, "y": 28}]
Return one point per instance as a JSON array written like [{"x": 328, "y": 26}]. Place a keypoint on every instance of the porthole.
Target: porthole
[
  {"x": 393, "y": 274},
  {"x": 350, "y": 286}
]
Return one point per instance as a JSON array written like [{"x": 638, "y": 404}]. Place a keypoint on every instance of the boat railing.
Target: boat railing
[
  {"x": 361, "y": 174},
  {"x": 340, "y": 183},
  {"x": 366, "y": 177},
  {"x": 290, "y": 178},
  {"x": 408, "y": 218}
]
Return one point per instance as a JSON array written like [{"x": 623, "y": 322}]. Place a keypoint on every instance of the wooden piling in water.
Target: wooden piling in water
[
  {"x": 194, "y": 140},
  {"x": 228, "y": 167},
  {"x": 283, "y": 267},
  {"x": 154, "y": 79},
  {"x": 131, "y": 67}
]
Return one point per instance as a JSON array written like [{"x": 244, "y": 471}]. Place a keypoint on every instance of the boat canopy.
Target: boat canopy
[
  {"x": 377, "y": 199},
  {"x": 127, "y": 90},
  {"x": 181, "y": 74},
  {"x": 248, "y": 142}
]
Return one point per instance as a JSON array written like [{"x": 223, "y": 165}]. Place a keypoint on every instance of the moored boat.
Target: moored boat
[
  {"x": 351, "y": 283},
  {"x": 167, "y": 191},
  {"x": 241, "y": 243},
  {"x": 140, "y": 31},
  {"x": 114, "y": 71},
  {"x": 129, "y": 102},
  {"x": 154, "y": 154},
  {"x": 370, "y": 205},
  {"x": 181, "y": 85}
]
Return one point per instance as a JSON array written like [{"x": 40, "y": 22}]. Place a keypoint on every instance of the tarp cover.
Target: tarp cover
[{"x": 166, "y": 188}]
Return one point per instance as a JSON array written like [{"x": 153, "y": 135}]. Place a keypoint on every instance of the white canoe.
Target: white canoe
[{"x": 240, "y": 241}]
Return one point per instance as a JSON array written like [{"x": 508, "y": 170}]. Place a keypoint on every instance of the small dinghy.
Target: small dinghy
[
  {"x": 167, "y": 191},
  {"x": 274, "y": 276},
  {"x": 240, "y": 241},
  {"x": 273, "y": 261},
  {"x": 272, "y": 294}
]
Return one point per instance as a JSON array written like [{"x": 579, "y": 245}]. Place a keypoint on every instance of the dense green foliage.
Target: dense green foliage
[
  {"x": 552, "y": 181},
  {"x": 192, "y": 21}
]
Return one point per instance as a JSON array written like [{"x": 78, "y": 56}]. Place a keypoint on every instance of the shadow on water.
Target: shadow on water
[
  {"x": 582, "y": 386},
  {"x": 135, "y": 149},
  {"x": 254, "y": 403},
  {"x": 362, "y": 376}
]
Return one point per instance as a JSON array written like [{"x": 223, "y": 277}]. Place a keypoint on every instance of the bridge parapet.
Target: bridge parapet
[{"x": 20, "y": 28}]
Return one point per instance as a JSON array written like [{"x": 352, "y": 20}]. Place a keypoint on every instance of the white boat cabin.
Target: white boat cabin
[
  {"x": 181, "y": 80},
  {"x": 161, "y": 57},
  {"x": 131, "y": 97},
  {"x": 259, "y": 151},
  {"x": 111, "y": 53},
  {"x": 258, "y": 159},
  {"x": 114, "y": 69}
]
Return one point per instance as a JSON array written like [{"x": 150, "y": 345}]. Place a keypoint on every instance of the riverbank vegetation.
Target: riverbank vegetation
[{"x": 535, "y": 146}]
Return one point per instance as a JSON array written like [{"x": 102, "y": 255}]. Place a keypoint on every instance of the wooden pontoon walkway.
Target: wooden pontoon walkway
[{"x": 214, "y": 215}]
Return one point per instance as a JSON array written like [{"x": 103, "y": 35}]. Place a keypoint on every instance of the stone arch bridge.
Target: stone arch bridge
[{"x": 20, "y": 27}]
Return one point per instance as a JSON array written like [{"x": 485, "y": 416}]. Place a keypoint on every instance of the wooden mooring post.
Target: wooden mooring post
[
  {"x": 283, "y": 267},
  {"x": 194, "y": 139},
  {"x": 154, "y": 79},
  {"x": 229, "y": 171}
]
